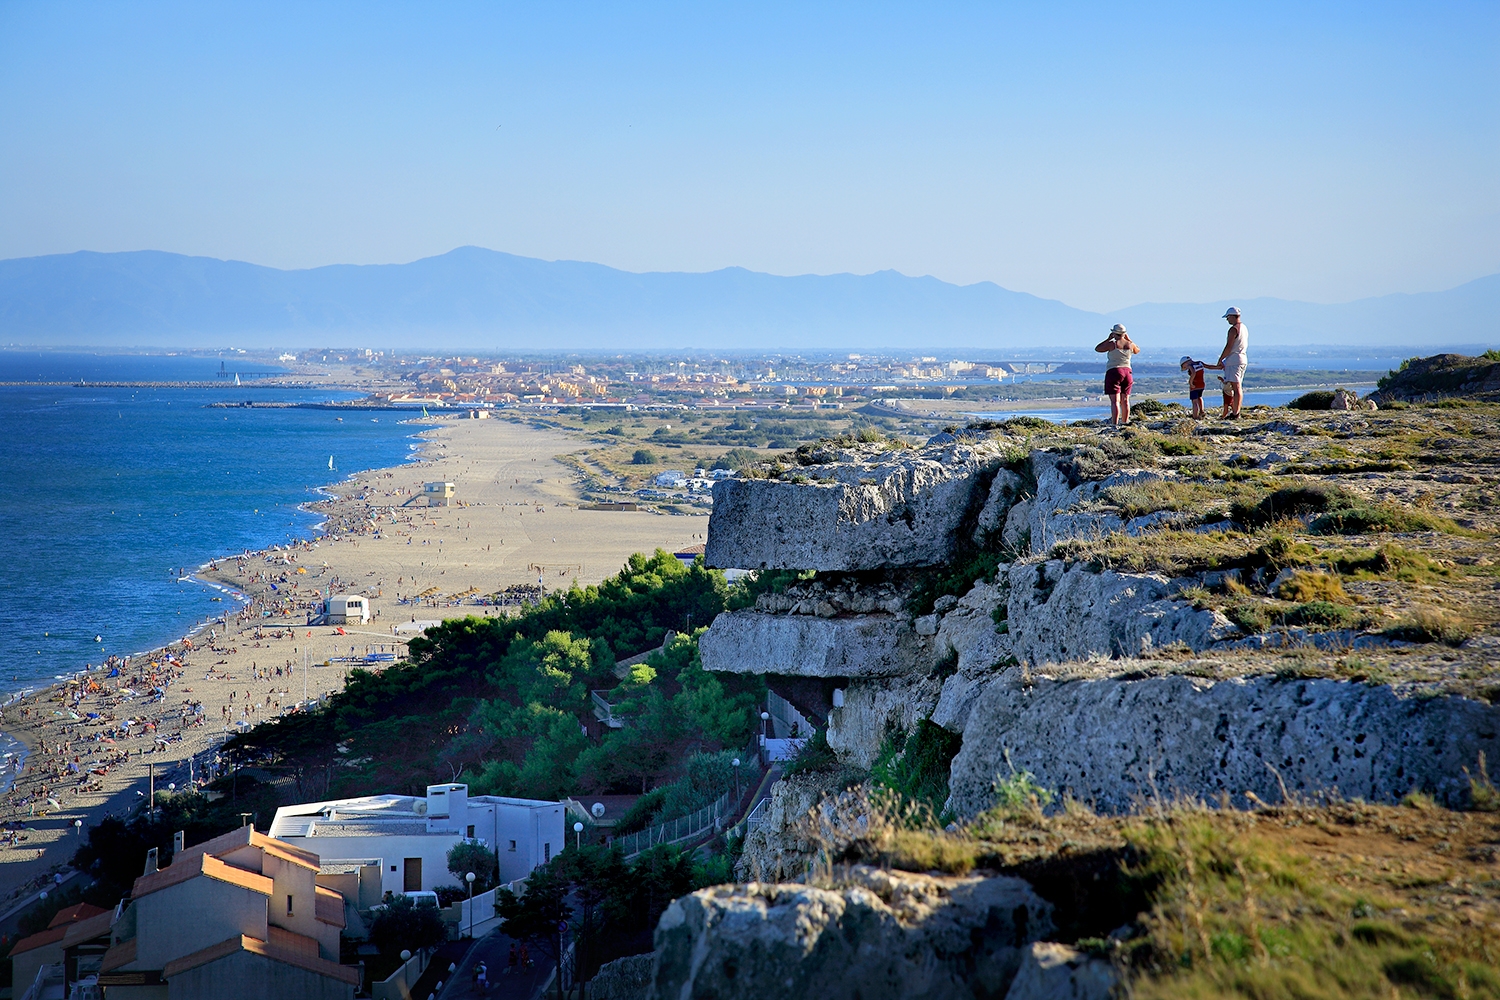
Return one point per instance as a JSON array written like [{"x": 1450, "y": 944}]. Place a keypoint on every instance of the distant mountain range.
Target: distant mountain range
[{"x": 472, "y": 298}]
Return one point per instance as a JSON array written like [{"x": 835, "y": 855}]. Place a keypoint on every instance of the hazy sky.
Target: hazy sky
[{"x": 1103, "y": 154}]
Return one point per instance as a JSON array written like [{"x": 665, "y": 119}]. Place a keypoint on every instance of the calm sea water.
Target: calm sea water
[{"x": 109, "y": 492}]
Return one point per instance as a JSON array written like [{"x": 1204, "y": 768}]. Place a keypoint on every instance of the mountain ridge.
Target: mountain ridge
[{"x": 472, "y": 297}]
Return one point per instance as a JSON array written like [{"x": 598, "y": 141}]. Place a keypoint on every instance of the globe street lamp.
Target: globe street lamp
[
  {"x": 736, "y": 764},
  {"x": 469, "y": 878},
  {"x": 578, "y": 836},
  {"x": 78, "y": 827}
]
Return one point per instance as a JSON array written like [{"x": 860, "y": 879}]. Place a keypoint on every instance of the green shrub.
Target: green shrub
[
  {"x": 1430, "y": 625},
  {"x": 1367, "y": 519},
  {"x": 1318, "y": 399},
  {"x": 916, "y": 764},
  {"x": 1304, "y": 587},
  {"x": 1292, "y": 501},
  {"x": 812, "y": 757},
  {"x": 736, "y": 459},
  {"x": 643, "y": 456},
  {"x": 1321, "y": 614}
]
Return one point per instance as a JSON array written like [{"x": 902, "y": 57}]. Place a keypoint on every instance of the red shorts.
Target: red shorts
[{"x": 1117, "y": 380}]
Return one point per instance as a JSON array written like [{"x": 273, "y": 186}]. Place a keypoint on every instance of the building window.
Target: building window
[
  {"x": 393, "y": 867},
  {"x": 512, "y": 845},
  {"x": 470, "y": 834},
  {"x": 546, "y": 852},
  {"x": 289, "y": 904}
]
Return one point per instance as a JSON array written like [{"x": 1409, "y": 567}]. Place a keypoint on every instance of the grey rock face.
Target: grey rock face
[
  {"x": 878, "y": 645},
  {"x": 872, "y": 709},
  {"x": 777, "y": 850},
  {"x": 1113, "y": 742},
  {"x": 883, "y": 934},
  {"x": 1052, "y": 971},
  {"x": 627, "y": 978},
  {"x": 1059, "y": 613},
  {"x": 1017, "y": 532},
  {"x": 968, "y": 632},
  {"x": 1052, "y": 516},
  {"x": 883, "y": 510},
  {"x": 1004, "y": 492}
]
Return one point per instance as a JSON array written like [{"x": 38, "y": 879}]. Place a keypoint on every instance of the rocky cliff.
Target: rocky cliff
[
  {"x": 1296, "y": 607},
  {"x": 1110, "y": 561}
]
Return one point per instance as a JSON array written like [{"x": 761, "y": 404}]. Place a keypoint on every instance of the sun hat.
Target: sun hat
[
  {"x": 1117, "y": 328},
  {"x": 1232, "y": 312},
  {"x": 1183, "y": 360}
]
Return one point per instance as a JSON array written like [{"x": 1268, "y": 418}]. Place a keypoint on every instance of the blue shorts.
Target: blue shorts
[{"x": 1195, "y": 394}]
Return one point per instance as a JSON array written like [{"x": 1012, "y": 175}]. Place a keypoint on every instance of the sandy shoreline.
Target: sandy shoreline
[{"x": 515, "y": 520}]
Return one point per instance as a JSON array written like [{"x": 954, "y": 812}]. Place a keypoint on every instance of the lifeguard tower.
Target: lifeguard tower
[
  {"x": 348, "y": 609},
  {"x": 437, "y": 494}
]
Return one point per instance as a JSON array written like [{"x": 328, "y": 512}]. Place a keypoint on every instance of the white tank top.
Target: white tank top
[{"x": 1241, "y": 343}]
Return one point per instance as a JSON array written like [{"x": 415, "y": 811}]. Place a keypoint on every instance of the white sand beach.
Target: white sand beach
[{"x": 515, "y": 519}]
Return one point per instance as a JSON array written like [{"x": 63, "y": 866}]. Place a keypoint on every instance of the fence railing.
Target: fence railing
[{"x": 695, "y": 824}]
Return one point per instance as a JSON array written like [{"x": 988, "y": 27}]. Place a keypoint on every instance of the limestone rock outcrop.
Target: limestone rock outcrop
[
  {"x": 1113, "y": 743},
  {"x": 627, "y": 978},
  {"x": 970, "y": 633},
  {"x": 875, "y": 510},
  {"x": 877, "y": 645},
  {"x": 778, "y": 849},
  {"x": 871, "y": 710},
  {"x": 1055, "y": 513},
  {"x": 878, "y": 934},
  {"x": 1059, "y": 613},
  {"x": 1052, "y": 971}
]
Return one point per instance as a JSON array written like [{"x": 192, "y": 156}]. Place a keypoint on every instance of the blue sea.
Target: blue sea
[{"x": 111, "y": 492}]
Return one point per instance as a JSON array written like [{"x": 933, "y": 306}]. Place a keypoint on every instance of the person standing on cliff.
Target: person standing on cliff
[
  {"x": 1117, "y": 373},
  {"x": 1234, "y": 359}
]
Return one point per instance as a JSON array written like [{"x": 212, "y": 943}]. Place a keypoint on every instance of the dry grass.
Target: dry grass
[{"x": 1340, "y": 900}]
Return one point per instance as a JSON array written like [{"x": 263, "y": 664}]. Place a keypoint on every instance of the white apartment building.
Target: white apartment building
[{"x": 411, "y": 836}]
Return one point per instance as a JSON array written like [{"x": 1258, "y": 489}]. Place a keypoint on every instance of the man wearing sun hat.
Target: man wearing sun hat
[{"x": 1234, "y": 359}]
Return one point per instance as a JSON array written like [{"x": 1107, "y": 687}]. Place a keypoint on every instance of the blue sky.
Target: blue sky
[{"x": 1102, "y": 154}]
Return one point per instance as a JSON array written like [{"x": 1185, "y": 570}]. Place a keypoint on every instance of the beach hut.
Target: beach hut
[
  {"x": 437, "y": 494},
  {"x": 348, "y": 609}
]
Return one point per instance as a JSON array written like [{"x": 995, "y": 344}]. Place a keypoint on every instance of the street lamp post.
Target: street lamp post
[
  {"x": 736, "y": 764},
  {"x": 78, "y": 827},
  {"x": 578, "y": 836},
  {"x": 469, "y": 878}
]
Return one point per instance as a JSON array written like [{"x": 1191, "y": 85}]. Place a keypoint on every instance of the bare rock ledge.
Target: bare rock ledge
[{"x": 880, "y": 934}]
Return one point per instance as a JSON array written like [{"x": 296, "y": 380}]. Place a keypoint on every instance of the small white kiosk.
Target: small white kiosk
[
  {"x": 348, "y": 609},
  {"x": 438, "y": 494}
]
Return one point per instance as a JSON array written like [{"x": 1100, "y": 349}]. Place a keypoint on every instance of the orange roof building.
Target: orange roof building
[{"x": 238, "y": 916}]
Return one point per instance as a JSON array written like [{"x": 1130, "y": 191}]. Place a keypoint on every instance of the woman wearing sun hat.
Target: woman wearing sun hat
[
  {"x": 1117, "y": 374},
  {"x": 1234, "y": 359}
]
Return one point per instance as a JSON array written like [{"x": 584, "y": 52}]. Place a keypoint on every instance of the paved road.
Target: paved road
[{"x": 494, "y": 950}]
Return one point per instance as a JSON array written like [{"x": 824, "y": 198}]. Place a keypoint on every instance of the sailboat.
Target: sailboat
[
  {"x": 330, "y": 463},
  {"x": 236, "y": 378}
]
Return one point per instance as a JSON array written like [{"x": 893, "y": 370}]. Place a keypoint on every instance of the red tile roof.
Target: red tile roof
[
  {"x": 58, "y": 928},
  {"x": 75, "y": 913},
  {"x": 203, "y": 864},
  {"x": 49, "y": 936},
  {"x": 277, "y": 950}
]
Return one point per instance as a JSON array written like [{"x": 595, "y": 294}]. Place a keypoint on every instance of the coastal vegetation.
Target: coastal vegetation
[{"x": 503, "y": 703}]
